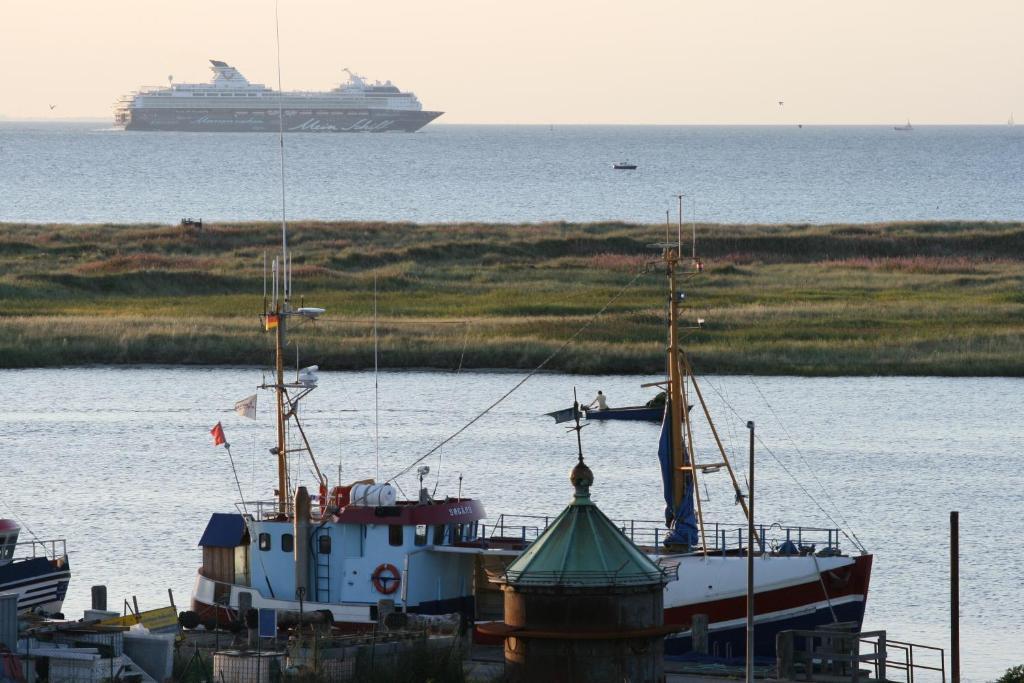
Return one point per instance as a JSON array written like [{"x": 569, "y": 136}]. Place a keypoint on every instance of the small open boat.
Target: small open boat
[
  {"x": 624, "y": 166},
  {"x": 634, "y": 413}
]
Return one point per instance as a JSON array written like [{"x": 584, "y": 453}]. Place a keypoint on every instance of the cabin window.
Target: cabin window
[
  {"x": 396, "y": 534},
  {"x": 421, "y": 534},
  {"x": 439, "y": 534},
  {"x": 264, "y": 541},
  {"x": 287, "y": 543},
  {"x": 323, "y": 545},
  {"x": 242, "y": 565}
]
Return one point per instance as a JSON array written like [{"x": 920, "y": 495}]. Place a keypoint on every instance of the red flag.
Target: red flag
[{"x": 218, "y": 435}]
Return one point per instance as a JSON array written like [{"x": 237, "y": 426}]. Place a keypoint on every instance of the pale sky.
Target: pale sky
[{"x": 543, "y": 61}]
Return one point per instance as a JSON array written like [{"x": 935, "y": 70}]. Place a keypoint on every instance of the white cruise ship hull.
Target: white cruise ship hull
[{"x": 266, "y": 120}]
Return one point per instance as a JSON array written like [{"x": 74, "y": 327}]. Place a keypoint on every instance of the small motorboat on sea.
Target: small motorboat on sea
[
  {"x": 630, "y": 413},
  {"x": 37, "y": 570},
  {"x": 624, "y": 166}
]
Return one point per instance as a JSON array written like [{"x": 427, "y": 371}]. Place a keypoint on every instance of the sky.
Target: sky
[{"x": 543, "y": 61}]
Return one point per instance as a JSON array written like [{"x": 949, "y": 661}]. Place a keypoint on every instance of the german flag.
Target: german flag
[{"x": 271, "y": 321}]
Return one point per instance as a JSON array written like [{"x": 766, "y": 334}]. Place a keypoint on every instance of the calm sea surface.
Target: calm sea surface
[
  {"x": 120, "y": 462},
  {"x": 80, "y": 172}
]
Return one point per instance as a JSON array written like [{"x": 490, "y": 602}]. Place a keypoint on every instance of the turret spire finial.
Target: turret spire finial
[{"x": 581, "y": 475}]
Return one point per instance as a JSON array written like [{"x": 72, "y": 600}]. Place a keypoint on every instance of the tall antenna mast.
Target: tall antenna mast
[
  {"x": 281, "y": 289},
  {"x": 280, "y": 122},
  {"x": 679, "y": 229}
]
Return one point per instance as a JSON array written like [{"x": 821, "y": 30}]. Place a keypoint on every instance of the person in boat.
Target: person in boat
[{"x": 600, "y": 401}]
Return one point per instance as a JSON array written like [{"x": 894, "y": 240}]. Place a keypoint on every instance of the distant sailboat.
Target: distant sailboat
[
  {"x": 906, "y": 127},
  {"x": 1009, "y": 121}
]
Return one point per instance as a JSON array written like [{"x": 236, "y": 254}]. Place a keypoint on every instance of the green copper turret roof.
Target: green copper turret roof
[{"x": 583, "y": 548}]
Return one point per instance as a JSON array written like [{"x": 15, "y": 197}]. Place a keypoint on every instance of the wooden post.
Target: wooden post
[
  {"x": 784, "y": 655},
  {"x": 699, "y": 633},
  {"x": 750, "y": 563},
  {"x": 954, "y": 593}
]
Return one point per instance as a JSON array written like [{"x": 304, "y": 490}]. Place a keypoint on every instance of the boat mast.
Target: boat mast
[
  {"x": 674, "y": 380},
  {"x": 679, "y": 369},
  {"x": 281, "y": 303},
  {"x": 678, "y": 400},
  {"x": 280, "y": 312}
]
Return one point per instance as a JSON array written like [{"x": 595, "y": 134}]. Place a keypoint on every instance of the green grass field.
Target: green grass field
[{"x": 899, "y": 298}]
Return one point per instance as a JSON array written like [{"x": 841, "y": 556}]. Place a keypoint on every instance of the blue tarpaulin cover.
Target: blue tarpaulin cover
[
  {"x": 224, "y": 530},
  {"x": 682, "y": 522}
]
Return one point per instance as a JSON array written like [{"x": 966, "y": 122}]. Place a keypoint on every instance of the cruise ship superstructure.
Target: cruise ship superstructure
[{"x": 231, "y": 103}]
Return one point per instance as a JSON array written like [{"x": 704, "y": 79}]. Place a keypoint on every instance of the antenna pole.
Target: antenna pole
[
  {"x": 376, "y": 385},
  {"x": 750, "y": 564},
  {"x": 679, "y": 230},
  {"x": 280, "y": 122},
  {"x": 693, "y": 227}
]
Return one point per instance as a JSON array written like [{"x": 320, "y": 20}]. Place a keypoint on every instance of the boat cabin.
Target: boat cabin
[{"x": 345, "y": 558}]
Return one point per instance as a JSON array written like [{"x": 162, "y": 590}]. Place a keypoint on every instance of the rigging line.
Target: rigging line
[
  {"x": 523, "y": 381},
  {"x": 280, "y": 122},
  {"x": 856, "y": 542},
  {"x": 796, "y": 448},
  {"x": 451, "y": 401}
]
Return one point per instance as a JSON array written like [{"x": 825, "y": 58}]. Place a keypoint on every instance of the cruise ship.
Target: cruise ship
[{"x": 231, "y": 103}]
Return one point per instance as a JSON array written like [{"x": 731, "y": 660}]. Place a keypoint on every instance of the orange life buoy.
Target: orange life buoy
[{"x": 386, "y": 578}]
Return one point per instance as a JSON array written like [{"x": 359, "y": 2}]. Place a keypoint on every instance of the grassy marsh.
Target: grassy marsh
[{"x": 894, "y": 298}]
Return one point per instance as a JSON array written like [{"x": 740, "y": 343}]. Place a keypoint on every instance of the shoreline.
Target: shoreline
[{"x": 920, "y": 299}]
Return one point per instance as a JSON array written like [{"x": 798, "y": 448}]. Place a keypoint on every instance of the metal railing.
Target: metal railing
[
  {"x": 907, "y": 663},
  {"x": 51, "y": 549},
  {"x": 722, "y": 538}
]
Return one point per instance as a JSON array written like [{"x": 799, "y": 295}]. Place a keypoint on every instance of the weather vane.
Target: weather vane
[{"x": 578, "y": 428}]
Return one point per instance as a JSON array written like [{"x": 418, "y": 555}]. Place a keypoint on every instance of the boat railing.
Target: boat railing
[
  {"x": 51, "y": 549},
  {"x": 265, "y": 510},
  {"x": 721, "y": 538}
]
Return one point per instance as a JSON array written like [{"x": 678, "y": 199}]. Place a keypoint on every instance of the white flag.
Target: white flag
[{"x": 247, "y": 407}]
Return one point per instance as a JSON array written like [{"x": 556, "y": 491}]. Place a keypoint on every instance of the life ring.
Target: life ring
[{"x": 386, "y": 578}]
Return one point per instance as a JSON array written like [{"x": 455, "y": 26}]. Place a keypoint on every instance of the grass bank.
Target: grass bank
[{"x": 895, "y": 298}]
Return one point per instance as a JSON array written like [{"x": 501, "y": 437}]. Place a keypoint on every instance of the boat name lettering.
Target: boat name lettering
[
  {"x": 461, "y": 510},
  {"x": 361, "y": 124}
]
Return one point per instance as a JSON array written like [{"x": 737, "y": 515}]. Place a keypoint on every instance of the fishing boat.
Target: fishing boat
[
  {"x": 803, "y": 578},
  {"x": 352, "y": 551},
  {"x": 37, "y": 570},
  {"x": 624, "y": 166},
  {"x": 904, "y": 127}
]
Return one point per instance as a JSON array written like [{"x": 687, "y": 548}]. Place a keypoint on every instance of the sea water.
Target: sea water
[{"x": 91, "y": 173}]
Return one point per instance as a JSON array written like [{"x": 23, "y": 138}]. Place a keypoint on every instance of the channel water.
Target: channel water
[{"x": 120, "y": 462}]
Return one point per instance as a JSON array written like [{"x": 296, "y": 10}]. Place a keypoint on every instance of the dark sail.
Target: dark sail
[{"x": 681, "y": 521}]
